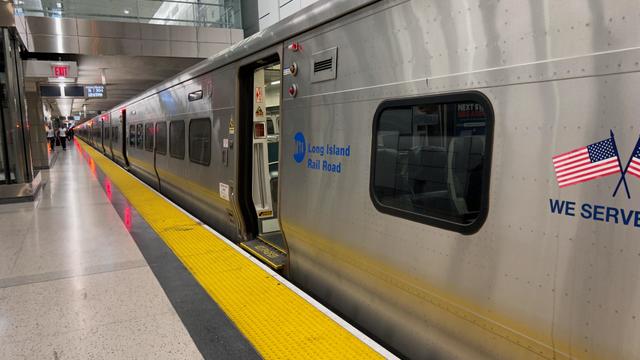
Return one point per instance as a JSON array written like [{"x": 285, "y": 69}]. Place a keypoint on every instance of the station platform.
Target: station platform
[{"x": 102, "y": 266}]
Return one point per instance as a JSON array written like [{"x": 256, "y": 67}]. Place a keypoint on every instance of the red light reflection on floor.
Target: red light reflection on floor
[
  {"x": 107, "y": 188},
  {"x": 127, "y": 218}
]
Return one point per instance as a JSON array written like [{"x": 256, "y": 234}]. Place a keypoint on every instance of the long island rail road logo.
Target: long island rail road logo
[
  {"x": 325, "y": 157},
  {"x": 598, "y": 160}
]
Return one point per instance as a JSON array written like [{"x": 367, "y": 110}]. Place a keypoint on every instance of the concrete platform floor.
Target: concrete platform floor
[{"x": 73, "y": 284}]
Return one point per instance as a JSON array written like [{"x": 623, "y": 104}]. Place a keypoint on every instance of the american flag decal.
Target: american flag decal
[
  {"x": 634, "y": 165},
  {"x": 588, "y": 163}
]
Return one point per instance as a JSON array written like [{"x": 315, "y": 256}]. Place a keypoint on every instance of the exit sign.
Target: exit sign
[{"x": 60, "y": 71}]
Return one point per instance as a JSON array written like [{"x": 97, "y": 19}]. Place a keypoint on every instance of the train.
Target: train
[{"x": 444, "y": 174}]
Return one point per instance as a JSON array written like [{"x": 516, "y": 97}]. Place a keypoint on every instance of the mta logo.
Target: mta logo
[{"x": 301, "y": 147}]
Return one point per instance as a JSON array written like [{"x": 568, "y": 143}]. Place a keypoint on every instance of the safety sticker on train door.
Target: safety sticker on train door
[{"x": 224, "y": 191}]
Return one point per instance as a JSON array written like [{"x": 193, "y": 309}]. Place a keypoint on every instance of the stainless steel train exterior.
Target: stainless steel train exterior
[{"x": 416, "y": 188}]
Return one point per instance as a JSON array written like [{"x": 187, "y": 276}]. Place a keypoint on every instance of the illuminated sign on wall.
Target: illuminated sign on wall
[
  {"x": 60, "y": 71},
  {"x": 95, "y": 91}
]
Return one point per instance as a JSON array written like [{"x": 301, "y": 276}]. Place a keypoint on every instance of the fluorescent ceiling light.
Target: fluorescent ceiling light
[
  {"x": 59, "y": 5},
  {"x": 275, "y": 82},
  {"x": 127, "y": 11}
]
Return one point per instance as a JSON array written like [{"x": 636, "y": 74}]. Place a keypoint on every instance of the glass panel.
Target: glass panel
[
  {"x": 176, "y": 139},
  {"x": 213, "y": 13},
  {"x": 200, "y": 141},
  {"x": 161, "y": 138},
  {"x": 430, "y": 158},
  {"x": 148, "y": 139}
]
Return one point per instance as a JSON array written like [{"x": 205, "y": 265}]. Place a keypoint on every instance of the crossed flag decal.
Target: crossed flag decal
[{"x": 594, "y": 161}]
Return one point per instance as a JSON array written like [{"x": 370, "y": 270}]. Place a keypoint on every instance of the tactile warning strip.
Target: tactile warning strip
[{"x": 278, "y": 322}]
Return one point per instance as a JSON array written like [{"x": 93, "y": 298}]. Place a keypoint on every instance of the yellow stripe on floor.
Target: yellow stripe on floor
[{"x": 277, "y": 321}]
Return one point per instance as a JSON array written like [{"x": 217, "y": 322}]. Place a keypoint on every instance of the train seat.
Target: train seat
[{"x": 427, "y": 171}]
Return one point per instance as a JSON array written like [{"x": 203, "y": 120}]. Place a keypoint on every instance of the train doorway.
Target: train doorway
[{"x": 262, "y": 139}]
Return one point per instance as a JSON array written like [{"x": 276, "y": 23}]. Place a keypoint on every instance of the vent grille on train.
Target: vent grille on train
[{"x": 323, "y": 65}]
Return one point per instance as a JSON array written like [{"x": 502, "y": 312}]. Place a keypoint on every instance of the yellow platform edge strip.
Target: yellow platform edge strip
[{"x": 279, "y": 323}]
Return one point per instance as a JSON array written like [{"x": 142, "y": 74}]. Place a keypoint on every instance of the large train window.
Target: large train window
[
  {"x": 431, "y": 160},
  {"x": 139, "y": 136},
  {"x": 132, "y": 135},
  {"x": 176, "y": 139},
  {"x": 148, "y": 136},
  {"x": 161, "y": 138},
  {"x": 200, "y": 141},
  {"x": 114, "y": 136}
]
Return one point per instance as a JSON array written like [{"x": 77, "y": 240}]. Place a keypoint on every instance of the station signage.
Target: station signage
[
  {"x": 59, "y": 71},
  {"x": 95, "y": 91}
]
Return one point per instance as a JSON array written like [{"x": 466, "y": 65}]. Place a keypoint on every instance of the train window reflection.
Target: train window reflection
[
  {"x": 148, "y": 136},
  {"x": 430, "y": 160},
  {"x": 161, "y": 138},
  {"x": 139, "y": 136},
  {"x": 132, "y": 135},
  {"x": 200, "y": 141},
  {"x": 176, "y": 139}
]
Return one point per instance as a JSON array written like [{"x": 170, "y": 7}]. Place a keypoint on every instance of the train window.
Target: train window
[
  {"x": 200, "y": 141},
  {"x": 114, "y": 136},
  {"x": 107, "y": 134},
  {"x": 431, "y": 160},
  {"x": 148, "y": 136},
  {"x": 139, "y": 136},
  {"x": 176, "y": 139},
  {"x": 132, "y": 135},
  {"x": 161, "y": 138}
]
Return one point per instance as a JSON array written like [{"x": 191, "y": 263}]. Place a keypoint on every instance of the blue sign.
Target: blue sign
[
  {"x": 322, "y": 157},
  {"x": 300, "y": 147}
]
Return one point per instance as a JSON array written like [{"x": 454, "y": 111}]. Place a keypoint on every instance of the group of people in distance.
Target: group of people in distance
[{"x": 59, "y": 136}]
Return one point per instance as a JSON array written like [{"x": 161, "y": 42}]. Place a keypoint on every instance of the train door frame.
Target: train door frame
[
  {"x": 101, "y": 121},
  {"x": 123, "y": 135},
  {"x": 269, "y": 246},
  {"x": 245, "y": 141}
]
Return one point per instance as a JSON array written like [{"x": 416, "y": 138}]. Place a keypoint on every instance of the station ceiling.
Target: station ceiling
[{"x": 124, "y": 76}]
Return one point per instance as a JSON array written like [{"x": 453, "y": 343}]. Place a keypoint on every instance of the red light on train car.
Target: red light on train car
[
  {"x": 294, "y": 46},
  {"x": 293, "y": 90}
]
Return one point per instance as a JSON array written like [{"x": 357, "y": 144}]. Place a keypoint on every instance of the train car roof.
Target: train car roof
[{"x": 314, "y": 15}]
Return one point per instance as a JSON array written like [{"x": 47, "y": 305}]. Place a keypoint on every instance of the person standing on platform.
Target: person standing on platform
[
  {"x": 70, "y": 135},
  {"x": 51, "y": 137},
  {"x": 62, "y": 133}
]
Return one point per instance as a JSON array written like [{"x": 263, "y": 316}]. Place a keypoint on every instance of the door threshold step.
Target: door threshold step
[{"x": 266, "y": 253}]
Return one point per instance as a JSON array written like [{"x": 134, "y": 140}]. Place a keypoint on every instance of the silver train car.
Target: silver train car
[{"x": 458, "y": 178}]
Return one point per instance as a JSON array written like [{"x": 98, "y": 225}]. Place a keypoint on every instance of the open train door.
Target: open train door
[
  {"x": 259, "y": 141},
  {"x": 123, "y": 135}
]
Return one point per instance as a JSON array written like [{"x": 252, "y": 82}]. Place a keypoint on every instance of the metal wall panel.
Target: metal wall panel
[
  {"x": 107, "y": 46},
  {"x": 184, "y": 49},
  {"x": 108, "y": 29},
  {"x": 183, "y": 33},
  {"x": 47, "y": 26},
  {"x": 55, "y": 44},
  {"x": 237, "y": 35},
  {"x": 154, "y": 32},
  {"x": 209, "y": 49},
  {"x": 156, "y": 48},
  {"x": 214, "y": 35}
]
